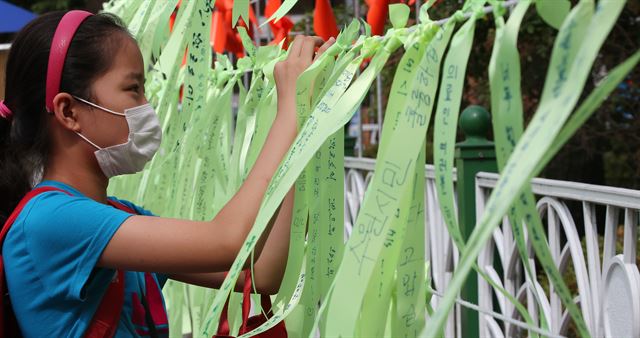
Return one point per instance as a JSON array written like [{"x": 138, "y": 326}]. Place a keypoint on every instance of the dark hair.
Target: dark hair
[{"x": 24, "y": 139}]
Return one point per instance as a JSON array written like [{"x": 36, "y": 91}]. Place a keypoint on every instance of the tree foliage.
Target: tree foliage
[{"x": 606, "y": 150}]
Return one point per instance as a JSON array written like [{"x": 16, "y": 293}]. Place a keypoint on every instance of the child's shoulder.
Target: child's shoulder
[
  {"x": 66, "y": 204},
  {"x": 65, "y": 214},
  {"x": 65, "y": 193},
  {"x": 46, "y": 204}
]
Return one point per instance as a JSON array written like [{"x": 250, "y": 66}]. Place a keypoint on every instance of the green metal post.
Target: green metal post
[
  {"x": 475, "y": 154},
  {"x": 349, "y": 142}
]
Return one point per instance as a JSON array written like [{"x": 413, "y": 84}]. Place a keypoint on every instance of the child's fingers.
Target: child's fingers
[
  {"x": 308, "y": 47},
  {"x": 296, "y": 46},
  {"x": 324, "y": 47}
]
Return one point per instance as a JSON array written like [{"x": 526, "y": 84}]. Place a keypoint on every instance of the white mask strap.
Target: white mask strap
[
  {"x": 97, "y": 106},
  {"x": 91, "y": 143}
]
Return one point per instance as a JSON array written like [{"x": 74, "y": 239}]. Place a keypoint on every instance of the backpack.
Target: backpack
[
  {"x": 105, "y": 320},
  {"x": 250, "y": 323}
]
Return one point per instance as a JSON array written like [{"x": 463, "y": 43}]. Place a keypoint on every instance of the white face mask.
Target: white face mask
[{"x": 130, "y": 157}]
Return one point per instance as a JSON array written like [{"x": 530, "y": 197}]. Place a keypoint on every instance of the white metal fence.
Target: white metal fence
[{"x": 604, "y": 267}]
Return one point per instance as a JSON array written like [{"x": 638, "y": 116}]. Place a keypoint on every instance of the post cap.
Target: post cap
[{"x": 475, "y": 122}]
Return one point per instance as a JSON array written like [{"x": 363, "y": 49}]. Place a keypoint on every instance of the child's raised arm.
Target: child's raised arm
[{"x": 176, "y": 246}]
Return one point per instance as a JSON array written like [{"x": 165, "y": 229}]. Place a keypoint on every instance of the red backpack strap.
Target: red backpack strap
[
  {"x": 251, "y": 323},
  {"x": 3, "y": 233},
  {"x": 105, "y": 320},
  {"x": 246, "y": 301},
  {"x": 14, "y": 215},
  {"x": 223, "y": 325},
  {"x": 123, "y": 207},
  {"x": 152, "y": 301}
]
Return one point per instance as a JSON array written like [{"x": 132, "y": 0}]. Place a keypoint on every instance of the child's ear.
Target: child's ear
[{"x": 65, "y": 111}]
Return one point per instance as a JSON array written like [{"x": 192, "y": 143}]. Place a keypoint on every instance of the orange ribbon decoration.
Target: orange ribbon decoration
[
  {"x": 282, "y": 27},
  {"x": 324, "y": 22}
]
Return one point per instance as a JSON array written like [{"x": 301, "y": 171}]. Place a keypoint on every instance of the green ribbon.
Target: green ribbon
[
  {"x": 386, "y": 285},
  {"x": 409, "y": 291},
  {"x": 322, "y": 123},
  {"x": 373, "y": 229},
  {"x": 506, "y": 106},
  {"x": 535, "y": 141},
  {"x": 294, "y": 271}
]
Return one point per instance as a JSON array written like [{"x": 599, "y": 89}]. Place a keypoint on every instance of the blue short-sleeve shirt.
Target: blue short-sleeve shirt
[{"x": 50, "y": 257}]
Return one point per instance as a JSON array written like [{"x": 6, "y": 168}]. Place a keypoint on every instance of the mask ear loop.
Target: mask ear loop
[
  {"x": 97, "y": 106},
  {"x": 91, "y": 143},
  {"x": 82, "y": 136}
]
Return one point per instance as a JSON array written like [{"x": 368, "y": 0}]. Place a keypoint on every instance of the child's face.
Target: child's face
[{"x": 120, "y": 88}]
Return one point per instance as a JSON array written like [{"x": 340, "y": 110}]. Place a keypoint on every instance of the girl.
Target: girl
[{"x": 74, "y": 115}]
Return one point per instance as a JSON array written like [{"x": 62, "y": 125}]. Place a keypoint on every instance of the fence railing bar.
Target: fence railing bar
[
  {"x": 501, "y": 317},
  {"x": 369, "y": 164},
  {"x": 620, "y": 197}
]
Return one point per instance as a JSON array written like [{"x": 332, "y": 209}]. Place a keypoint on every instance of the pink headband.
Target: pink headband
[
  {"x": 59, "y": 45},
  {"x": 5, "y": 112}
]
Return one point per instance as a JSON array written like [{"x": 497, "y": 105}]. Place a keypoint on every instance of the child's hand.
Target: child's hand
[{"x": 301, "y": 55}]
